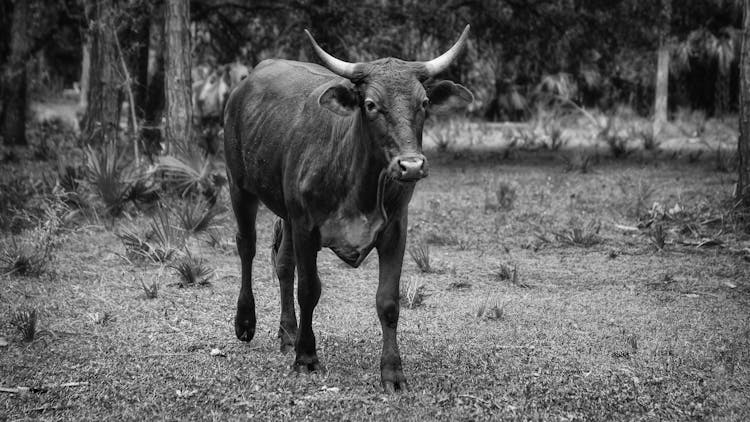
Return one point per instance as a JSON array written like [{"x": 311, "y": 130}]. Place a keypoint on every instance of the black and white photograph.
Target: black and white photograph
[{"x": 374, "y": 210}]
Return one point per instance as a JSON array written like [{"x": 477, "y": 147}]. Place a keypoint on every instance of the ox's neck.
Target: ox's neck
[{"x": 357, "y": 158}]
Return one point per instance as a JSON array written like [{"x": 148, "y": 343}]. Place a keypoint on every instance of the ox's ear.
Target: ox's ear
[
  {"x": 448, "y": 97},
  {"x": 340, "y": 99}
]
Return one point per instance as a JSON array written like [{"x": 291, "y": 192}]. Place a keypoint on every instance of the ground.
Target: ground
[{"x": 599, "y": 322}]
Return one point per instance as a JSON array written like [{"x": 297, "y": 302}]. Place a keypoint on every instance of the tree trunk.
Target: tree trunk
[
  {"x": 102, "y": 120},
  {"x": 154, "y": 106},
  {"x": 743, "y": 144},
  {"x": 13, "y": 79},
  {"x": 179, "y": 111},
  {"x": 662, "y": 70},
  {"x": 83, "y": 100},
  {"x": 135, "y": 42}
]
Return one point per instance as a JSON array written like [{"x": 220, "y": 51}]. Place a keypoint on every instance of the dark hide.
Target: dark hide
[{"x": 336, "y": 160}]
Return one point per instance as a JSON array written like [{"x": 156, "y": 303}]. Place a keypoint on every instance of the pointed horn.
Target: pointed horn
[
  {"x": 339, "y": 67},
  {"x": 437, "y": 65}
]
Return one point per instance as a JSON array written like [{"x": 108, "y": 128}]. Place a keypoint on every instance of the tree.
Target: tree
[
  {"x": 154, "y": 104},
  {"x": 662, "y": 69},
  {"x": 743, "y": 144},
  {"x": 13, "y": 78},
  {"x": 179, "y": 110},
  {"x": 101, "y": 122}
]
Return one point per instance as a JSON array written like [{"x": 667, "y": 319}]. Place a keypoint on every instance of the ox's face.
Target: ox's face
[
  {"x": 393, "y": 104},
  {"x": 211, "y": 96},
  {"x": 390, "y": 95}
]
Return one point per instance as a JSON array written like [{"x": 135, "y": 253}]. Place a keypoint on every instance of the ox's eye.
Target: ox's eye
[
  {"x": 370, "y": 106},
  {"x": 425, "y": 103}
]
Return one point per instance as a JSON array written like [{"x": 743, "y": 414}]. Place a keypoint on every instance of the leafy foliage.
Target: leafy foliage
[
  {"x": 198, "y": 216},
  {"x": 25, "y": 321},
  {"x": 160, "y": 243},
  {"x": 192, "y": 271}
]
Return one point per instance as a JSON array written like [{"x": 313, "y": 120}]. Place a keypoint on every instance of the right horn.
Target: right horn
[
  {"x": 339, "y": 67},
  {"x": 439, "y": 64}
]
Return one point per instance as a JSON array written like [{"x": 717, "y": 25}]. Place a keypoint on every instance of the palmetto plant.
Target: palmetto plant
[
  {"x": 113, "y": 181},
  {"x": 191, "y": 172}
]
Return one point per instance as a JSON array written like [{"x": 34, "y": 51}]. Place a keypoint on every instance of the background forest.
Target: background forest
[{"x": 597, "y": 53}]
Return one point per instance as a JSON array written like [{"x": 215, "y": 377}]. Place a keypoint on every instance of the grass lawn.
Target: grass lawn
[{"x": 544, "y": 300}]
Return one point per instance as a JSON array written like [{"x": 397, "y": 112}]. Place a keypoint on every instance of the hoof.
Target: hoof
[
  {"x": 391, "y": 387},
  {"x": 393, "y": 380},
  {"x": 244, "y": 329},
  {"x": 306, "y": 364}
]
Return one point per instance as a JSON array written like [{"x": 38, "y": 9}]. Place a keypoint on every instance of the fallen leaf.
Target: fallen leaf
[
  {"x": 726, "y": 283},
  {"x": 186, "y": 393},
  {"x": 218, "y": 352}
]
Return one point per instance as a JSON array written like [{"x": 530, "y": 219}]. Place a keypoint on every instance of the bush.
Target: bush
[
  {"x": 420, "y": 253},
  {"x": 192, "y": 271},
  {"x": 160, "y": 243}
]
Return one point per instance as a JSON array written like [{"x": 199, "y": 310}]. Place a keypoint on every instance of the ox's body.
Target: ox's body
[
  {"x": 336, "y": 158},
  {"x": 307, "y": 163}
]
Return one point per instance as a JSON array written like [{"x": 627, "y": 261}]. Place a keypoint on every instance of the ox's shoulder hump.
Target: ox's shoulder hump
[{"x": 290, "y": 66}]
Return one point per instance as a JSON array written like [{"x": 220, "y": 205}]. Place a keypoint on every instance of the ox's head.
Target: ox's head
[
  {"x": 211, "y": 93},
  {"x": 394, "y": 97}
]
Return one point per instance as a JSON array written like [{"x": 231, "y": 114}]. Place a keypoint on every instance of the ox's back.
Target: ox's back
[{"x": 273, "y": 118}]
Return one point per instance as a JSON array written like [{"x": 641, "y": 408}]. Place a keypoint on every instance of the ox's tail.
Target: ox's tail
[{"x": 278, "y": 232}]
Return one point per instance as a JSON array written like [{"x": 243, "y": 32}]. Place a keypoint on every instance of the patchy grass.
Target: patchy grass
[
  {"x": 595, "y": 339},
  {"x": 24, "y": 321},
  {"x": 420, "y": 254}
]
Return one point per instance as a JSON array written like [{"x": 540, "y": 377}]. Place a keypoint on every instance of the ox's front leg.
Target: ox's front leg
[
  {"x": 306, "y": 245},
  {"x": 391, "y": 257}
]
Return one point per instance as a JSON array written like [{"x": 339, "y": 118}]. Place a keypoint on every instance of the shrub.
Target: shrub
[
  {"x": 489, "y": 308},
  {"x": 198, "y": 216},
  {"x": 644, "y": 193},
  {"x": 160, "y": 243},
  {"x": 191, "y": 173},
  {"x": 114, "y": 182},
  {"x": 577, "y": 234},
  {"x": 192, "y": 271},
  {"x": 579, "y": 161},
  {"x": 420, "y": 253},
  {"x": 151, "y": 290},
  {"x": 412, "y": 293},
  {"x": 29, "y": 255},
  {"x": 106, "y": 175},
  {"x": 617, "y": 143},
  {"x": 658, "y": 236},
  {"x": 25, "y": 322}
]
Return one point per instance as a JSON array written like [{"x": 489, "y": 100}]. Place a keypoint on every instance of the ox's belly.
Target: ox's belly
[{"x": 352, "y": 237}]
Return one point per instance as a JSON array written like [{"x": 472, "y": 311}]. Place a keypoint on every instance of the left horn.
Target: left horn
[
  {"x": 339, "y": 67},
  {"x": 437, "y": 65}
]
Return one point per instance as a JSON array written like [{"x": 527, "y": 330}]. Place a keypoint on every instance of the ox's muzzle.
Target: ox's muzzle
[{"x": 408, "y": 167}]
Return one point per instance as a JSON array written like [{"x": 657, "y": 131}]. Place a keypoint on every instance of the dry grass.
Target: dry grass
[
  {"x": 595, "y": 339},
  {"x": 420, "y": 254},
  {"x": 24, "y": 321}
]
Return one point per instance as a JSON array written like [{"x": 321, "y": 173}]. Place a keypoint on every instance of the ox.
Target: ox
[
  {"x": 335, "y": 152},
  {"x": 211, "y": 89}
]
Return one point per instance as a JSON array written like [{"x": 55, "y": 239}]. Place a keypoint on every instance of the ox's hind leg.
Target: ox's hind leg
[
  {"x": 282, "y": 256},
  {"x": 306, "y": 245},
  {"x": 245, "y": 207}
]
